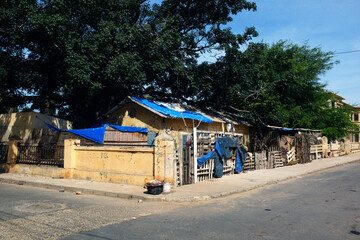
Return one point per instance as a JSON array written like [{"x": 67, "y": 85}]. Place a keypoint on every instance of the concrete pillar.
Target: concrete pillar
[
  {"x": 347, "y": 146},
  {"x": 164, "y": 158},
  {"x": 325, "y": 146},
  {"x": 13, "y": 151},
  {"x": 70, "y": 157}
]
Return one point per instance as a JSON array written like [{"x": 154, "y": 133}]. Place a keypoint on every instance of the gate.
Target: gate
[
  {"x": 205, "y": 144},
  {"x": 188, "y": 156},
  {"x": 41, "y": 154}
]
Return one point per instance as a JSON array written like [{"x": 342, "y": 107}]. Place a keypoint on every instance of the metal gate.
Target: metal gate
[{"x": 41, "y": 154}]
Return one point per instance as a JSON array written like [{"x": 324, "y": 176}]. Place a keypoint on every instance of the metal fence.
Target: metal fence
[
  {"x": 41, "y": 155},
  {"x": 3, "y": 152}
]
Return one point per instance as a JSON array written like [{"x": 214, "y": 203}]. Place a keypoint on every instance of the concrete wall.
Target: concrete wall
[
  {"x": 135, "y": 165},
  {"x": 110, "y": 164},
  {"x": 20, "y": 125}
]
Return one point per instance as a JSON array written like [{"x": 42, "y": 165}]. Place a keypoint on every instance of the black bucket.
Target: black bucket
[{"x": 154, "y": 189}]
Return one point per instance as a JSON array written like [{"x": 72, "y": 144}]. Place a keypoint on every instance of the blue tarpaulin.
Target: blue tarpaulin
[
  {"x": 122, "y": 128},
  {"x": 171, "y": 111},
  {"x": 52, "y": 127},
  {"x": 222, "y": 146},
  {"x": 205, "y": 158},
  {"x": 96, "y": 133},
  {"x": 238, "y": 166}
]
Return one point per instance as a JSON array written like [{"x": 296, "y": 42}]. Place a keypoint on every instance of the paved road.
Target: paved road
[
  {"x": 35, "y": 213},
  {"x": 325, "y": 205}
]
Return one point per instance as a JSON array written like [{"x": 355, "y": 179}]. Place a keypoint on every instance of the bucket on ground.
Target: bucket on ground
[
  {"x": 154, "y": 187},
  {"x": 167, "y": 187}
]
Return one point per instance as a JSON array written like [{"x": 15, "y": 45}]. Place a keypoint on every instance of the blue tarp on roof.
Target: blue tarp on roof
[
  {"x": 96, "y": 133},
  {"x": 122, "y": 128},
  {"x": 52, "y": 127},
  {"x": 129, "y": 129},
  {"x": 166, "y": 110}
]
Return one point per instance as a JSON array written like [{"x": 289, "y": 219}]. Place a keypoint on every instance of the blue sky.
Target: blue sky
[{"x": 332, "y": 25}]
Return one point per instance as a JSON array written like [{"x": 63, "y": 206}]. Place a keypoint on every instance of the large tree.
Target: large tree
[
  {"x": 274, "y": 84},
  {"x": 82, "y": 57}
]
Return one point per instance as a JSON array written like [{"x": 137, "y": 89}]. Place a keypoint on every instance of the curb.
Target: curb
[
  {"x": 73, "y": 189},
  {"x": 164, "y": 198}
]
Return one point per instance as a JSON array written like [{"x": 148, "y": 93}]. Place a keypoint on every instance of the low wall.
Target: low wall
[
  {"x": 110, "y": 164},
  {"x": 130, "y": 165},
  {"x": 48, "y": 171}
]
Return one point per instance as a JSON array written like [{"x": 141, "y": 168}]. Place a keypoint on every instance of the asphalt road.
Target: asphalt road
[
  {"x": 325, "y": 205},
  {"x": 35, "y": 213}
]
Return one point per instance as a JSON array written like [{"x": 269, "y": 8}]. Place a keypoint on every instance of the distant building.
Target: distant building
[
  {"x": 338, "y": 101},
  {"x": 354, "y": 137},
  {"x": 21, "y": 125}
]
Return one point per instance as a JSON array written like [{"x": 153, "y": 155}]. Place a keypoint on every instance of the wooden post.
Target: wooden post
[
  {"x": 195, "y": 154},
  {"x": 181, "y": 159}
]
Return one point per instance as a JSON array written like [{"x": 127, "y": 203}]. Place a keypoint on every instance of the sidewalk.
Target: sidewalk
[{"x": 194, "y": 192}]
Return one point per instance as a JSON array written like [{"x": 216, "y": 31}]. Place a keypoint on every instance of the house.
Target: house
[
  {"x": 175, "y": 119},
  {"x": 352, "y": 141},
  {"x": 23, "y": 125},
  {"x": 354, "y": 137},
  {"x": 336, "y": 100}
]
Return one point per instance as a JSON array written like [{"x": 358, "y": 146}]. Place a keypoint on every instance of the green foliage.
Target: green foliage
[
  {"x": 83, "y": 57},
  {"x": 275, "y": 84},
  {"x": 336, "y": 122},
  {"x": 80, "y": 58}
]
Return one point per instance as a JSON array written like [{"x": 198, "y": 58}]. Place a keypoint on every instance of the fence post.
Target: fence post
[
  {"x": 324, "y": 142},
  {"x": 347, "y": 146},
  {"x": 69, "y": 157},
  {"x": 13, "y": 151},
  {"x": 164, "y": 158}
]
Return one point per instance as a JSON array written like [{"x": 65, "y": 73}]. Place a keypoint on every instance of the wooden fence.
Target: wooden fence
[{"x": 316, "y": 151}]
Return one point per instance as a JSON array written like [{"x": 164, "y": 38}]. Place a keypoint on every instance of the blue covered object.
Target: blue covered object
[
  {"x": 240, "y": 159},
  {"x": 97, "y": 132},
  {"x": 94, "y": 134},
  {"x": 121, "y": 128},
  {"x": 242, "y": 153},
  {"x": 222, "y": 149},
  {"x": 219, "y": 167},
  {"x": 238, "y": 166},
  {"x": 170, "y": 111},
  {"x": 205, "y": 158},
  {"x": 52, "y": 127}
]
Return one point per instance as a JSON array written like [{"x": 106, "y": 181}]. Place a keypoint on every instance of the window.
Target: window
[
  {"x": 356, "y": 117},
  {"x": 356, "y": 137}
]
